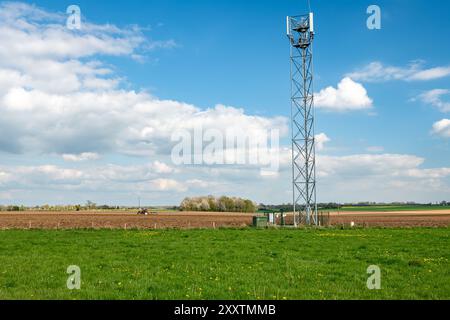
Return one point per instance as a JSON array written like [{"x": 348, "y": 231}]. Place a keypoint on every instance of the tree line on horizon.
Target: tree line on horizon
[
  {"x": 221, "y": 204},
  {"x": 211, "y": 203}
]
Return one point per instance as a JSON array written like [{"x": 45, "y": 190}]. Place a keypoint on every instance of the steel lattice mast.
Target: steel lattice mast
[{"x": 300, "y": 30}]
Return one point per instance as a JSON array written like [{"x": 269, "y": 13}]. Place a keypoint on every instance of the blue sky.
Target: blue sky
[{"x": 235, "y": 53}]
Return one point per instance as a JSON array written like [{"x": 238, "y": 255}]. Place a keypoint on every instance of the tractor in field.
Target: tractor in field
[{"x": 143, "y": 212}]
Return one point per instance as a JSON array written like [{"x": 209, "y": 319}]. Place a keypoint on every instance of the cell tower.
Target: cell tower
[{"x": 300, "y": 31}]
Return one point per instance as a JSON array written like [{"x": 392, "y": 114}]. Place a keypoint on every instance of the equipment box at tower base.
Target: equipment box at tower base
[{"x": 260, "y": 221}]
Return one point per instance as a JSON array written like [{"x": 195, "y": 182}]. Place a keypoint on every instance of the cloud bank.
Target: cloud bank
[
  {"x": 378, "y": 72},
  {"x": 56, "y": 96}
]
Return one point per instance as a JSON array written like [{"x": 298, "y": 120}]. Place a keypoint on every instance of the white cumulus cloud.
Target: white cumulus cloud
[
  {"x": 321, "y": 140},
  {"x": 348, "y": 96},
  {"x": 442, "y": 128}
]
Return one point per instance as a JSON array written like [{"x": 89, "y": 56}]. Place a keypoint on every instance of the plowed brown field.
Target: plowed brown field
[
  {"x": 184, "y": 220},
  {"x": 436, "y": 218}
]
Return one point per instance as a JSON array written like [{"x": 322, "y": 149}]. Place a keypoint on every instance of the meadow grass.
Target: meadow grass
[{"x": 226, "y": 263}]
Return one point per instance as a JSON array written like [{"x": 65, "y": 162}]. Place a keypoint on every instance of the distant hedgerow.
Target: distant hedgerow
[{"x": 222, "y": 204}]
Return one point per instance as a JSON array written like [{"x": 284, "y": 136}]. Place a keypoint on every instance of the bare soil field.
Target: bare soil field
[
  {"x": 393, "y": 219},
  {"x": 186, "y": 220},
  {"x": 125, "y": 220}
]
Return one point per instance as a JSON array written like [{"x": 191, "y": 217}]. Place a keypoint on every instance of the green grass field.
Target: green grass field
[
  {"x": 394, "y": 208},
  {"x": 226, "y": 264}
]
